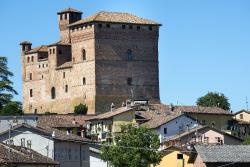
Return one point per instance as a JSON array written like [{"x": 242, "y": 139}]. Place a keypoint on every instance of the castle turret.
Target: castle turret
[
  {"x": 25, "y": 46},
  {"x": 66, "y": 17}
]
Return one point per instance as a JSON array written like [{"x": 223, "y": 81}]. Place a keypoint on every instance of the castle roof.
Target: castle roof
[
  {"x": 69, "y": 10},
  {"x": 42, "y": 48},
  {"x": 115, "y": 17},
  {"x": 25, "y": 43}
]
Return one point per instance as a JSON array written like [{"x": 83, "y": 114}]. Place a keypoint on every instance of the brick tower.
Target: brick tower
[{"x": 101, "y": 59}]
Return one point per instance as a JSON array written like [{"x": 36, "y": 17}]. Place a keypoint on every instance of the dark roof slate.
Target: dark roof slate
[{"x": 224, "y": 153}]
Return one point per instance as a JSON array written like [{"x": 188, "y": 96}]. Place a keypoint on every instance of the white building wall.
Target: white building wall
[
  {"x": 176, "y": 126},
  {"x": 95, "y": 160},
  {"x": 41, "y": 144}
]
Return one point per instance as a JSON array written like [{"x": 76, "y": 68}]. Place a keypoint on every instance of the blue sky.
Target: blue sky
[{"x": 204, "y": 45}]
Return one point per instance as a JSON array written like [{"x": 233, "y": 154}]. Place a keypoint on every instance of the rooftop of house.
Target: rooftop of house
[
  {"x": 159, "y": 120},
  {"x": 22, "y": 155},
  {"x": 110, "y": 114},
  {"x": 198, "y": 130},
  {"x": 224, "y": 153},
  {"x": 115, "y": 17},
  {"x": 63, "y": 121},
  {"x": 241, "y": 112},
  {"x": 166, "y": 109},
  {"x": 50, "y": 132}
]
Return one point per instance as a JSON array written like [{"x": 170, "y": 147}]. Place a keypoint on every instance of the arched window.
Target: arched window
[
  {"x": 83, "y": 54},
  {"x": 53, "y": 93},
  {"x": 129, "y": 55},
  {"x": 66, "y": 88},
  {"x": 32, "y": 59},
  {"x": 28, "y": 59},
  {"x": 84, "y": 81}
]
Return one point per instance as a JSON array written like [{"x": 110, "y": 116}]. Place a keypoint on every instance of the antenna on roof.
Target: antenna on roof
[{"x": 246, "y": 103}]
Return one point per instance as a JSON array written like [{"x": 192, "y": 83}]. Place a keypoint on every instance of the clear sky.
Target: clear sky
[{"x": 204, "y": 45}]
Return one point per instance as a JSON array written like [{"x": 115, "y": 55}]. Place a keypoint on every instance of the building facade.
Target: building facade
[{"x": 102, "y": 59}]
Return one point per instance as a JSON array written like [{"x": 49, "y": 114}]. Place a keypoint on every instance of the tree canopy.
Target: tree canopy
[
  {"x": 81, "y": 109},
  {"x": 7, "y": 106},
  {"x": 214, "y": 99},
  {"x": 133, "y": 147}
]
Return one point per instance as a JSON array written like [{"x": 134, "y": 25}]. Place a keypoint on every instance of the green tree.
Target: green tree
[
  {"x": 6, "y": 89},
  {"x": 133, "y": 147},
  {"x": 7, "y": 107},
  {"x": 214, "y": 99},
  {"x": 12, "y": 108},
  {"x": 81, "y": 109}
]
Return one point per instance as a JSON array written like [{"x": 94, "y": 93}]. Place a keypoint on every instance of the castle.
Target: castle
[{"x": 102, "y": 59}]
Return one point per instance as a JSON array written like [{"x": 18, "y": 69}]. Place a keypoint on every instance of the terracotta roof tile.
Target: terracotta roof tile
[
  {"x": 66, "y": 121},
  {"x": 22, "y": 155},
  {"x": 115, "y": 17},
  {"x": 42, "y": 48}
]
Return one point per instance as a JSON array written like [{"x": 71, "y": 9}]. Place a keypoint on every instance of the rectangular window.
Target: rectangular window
[
  {"x": 123, "y": 26},
  {"x": 65, "y": 16},
  {"x": 22, "y": 142},
  {"x": 50, "y": 51},
  {"x": 59, "y": 51},
  {"x": 31, "y": 93},
  {"x": 165, "y": 130},
  {"x": 63, "y": 74},
  {"x": 29, "y": 144},
  {"x": 130, "y": 27},
  {"x": 30, "y": 76},
  {"x": 150, "y": 28},
  {"x": 61, "y": 17},
  {"x": 129, "y": 81},
  {"x": 241, "y": 116},
  {"x": 138, "y": 27},
  {"x": 53, "y": 50},
  {"x": 108, "y": 25},
  {"x": 100, "y": 25},
  {"x": 206, "y": 140}
]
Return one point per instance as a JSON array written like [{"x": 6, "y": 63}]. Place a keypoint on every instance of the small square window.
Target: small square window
[
  {"x": 179, "y": 156},
  {"x": 108, "y": 25},
  {"x": 150, "y": 28},
  {"x": 130, "y": 27},
  {"x": 59, "y": 51},
  {"x": 123, "y": 26},
  {"x": 100, "y": 25},
  {"x": 138, "y": 27}
]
